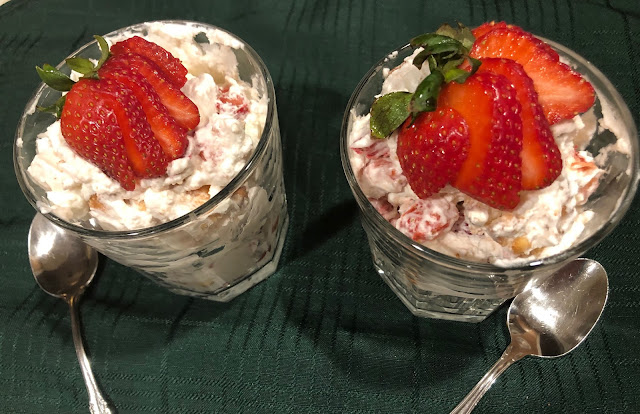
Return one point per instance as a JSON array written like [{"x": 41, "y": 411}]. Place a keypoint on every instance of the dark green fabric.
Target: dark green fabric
[{"x": 324, "y": 334}]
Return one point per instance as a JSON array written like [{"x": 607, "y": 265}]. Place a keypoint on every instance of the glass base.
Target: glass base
[
  {"x": 428, "y": 304},
  {"x": 246, "y": 283}
]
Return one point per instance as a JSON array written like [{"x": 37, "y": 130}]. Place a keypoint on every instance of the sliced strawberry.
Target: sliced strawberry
[
  {"x": 104, "y": 123},
  {"x": 487, "y": 27},
  {"x": 491, "y": 173},
  {"x": 145, "y": 153},
  {"x": 541, "y": 159},
  {"x": 170, "y": 66},
  {"x": 98, "y": 142},
  {"x": 180, "y": 107},
  {"x": 562, "y": 92},
  {"x": 171, "y": 136},
  {"x": 431, "y": 149},
  {"x": 512, "y": 42}
]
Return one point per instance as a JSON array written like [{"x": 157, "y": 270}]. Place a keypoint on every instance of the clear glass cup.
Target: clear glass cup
[
  {"x": 435, "y": 285},
  {"x": 218, "y": 250}
]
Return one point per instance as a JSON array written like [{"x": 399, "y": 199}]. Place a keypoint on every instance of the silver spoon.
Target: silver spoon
[
  {"x": 64, "y": 266},
  {"x": 549, "y": 320}
]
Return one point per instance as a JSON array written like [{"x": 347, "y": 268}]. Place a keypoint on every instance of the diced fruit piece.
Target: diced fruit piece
[
  {"x": 541, "y": 159},
  {"x": 492, "y": 172},
  {"x": 104, "y": 123},
  {"x": 562, "y": 92},
  {"x": 170, "y": 66},
  {"x": 171, "y": 136},
  {"x": 236, "y": 101},
  {"x": 180, "y": 107},
  {"x": 424, "y": 220},
  {"x": 382, "y": 175},
  {"x": 379, "y": 149},
  {"x": 431, "y": 149}
]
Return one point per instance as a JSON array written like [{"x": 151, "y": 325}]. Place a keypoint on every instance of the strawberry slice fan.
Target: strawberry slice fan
[
  {"x": 126, "y": 114},
  {"x": 480, "y": 121}
]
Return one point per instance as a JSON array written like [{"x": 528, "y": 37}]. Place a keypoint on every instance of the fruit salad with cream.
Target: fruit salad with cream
[
  {"x": 164, "y": 154},
  {"x": 475, "y": 146},
  {"x": 143, "y": 138}
]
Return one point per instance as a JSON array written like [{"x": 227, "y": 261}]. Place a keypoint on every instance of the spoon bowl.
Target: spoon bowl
[
  {"x": 549, "y": 320},
  {"x": 64, "y": 266},
  {"x": 555, "y": 317},
  {"x": 61, "y": 263}
]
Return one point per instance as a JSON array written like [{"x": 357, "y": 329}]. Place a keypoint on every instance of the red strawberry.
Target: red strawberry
[
  {"x": 562, "y": 92},
  {"x": 169, "y": 65},
  {"x": 104, "y": 123},
  {"x": 487, "y": 27},
  {"x": 180, "y": 107},
  {"x": 431, "y": 149},
  {"x": 171, "y": 136},
  {"x": 491, "y": 172},
  {"x": 541, "y": 159}
]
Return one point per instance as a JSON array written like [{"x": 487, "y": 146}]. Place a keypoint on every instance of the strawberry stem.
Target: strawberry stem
[{"x": 55, "y": 108}]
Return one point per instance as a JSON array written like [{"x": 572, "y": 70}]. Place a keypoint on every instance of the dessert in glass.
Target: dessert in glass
[
  {"x": 476, "y": 188},
  {"x": 192, "y": 195}
]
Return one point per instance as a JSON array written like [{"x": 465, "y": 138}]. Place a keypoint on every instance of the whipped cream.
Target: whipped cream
[
  {"x": 218, "y": 149},
  {"x": 546, "y": 221}
]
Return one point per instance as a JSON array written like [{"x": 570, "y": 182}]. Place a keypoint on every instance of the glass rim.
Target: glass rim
[
  {"x": 223, "y": 194},
  {"x": 366, "y": 208}
]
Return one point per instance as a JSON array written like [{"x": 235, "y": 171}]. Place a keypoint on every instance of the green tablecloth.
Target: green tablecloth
[{"x": 324, "y": 334}]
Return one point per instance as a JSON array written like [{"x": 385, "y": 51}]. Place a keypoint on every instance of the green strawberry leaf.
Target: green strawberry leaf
[
  {"x": 452, "y": 64},
  {"x": 425, "y": 98},
  {"x": 54, "y": 78},
  {"x": 85, "y": 66},
  {"x": 104, "y": 49},
  {"x": 55, "y": 109},
  {"x": 81, "y": 65},
  {"x": 441, "y": 47},
  {"x": 433, "y": 63},
  {"x": 435, "y": 43},
  {"x": 388, "y": 112},
  {"x": 462, "y": 34},
  {"x": 420, "y": 58},
  {"x": 456, "y": 75}
]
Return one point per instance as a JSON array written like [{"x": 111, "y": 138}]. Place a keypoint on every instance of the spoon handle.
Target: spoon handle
[
  {"x": 97, "y": 403},
  {"x": 509, "y": 356}
]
